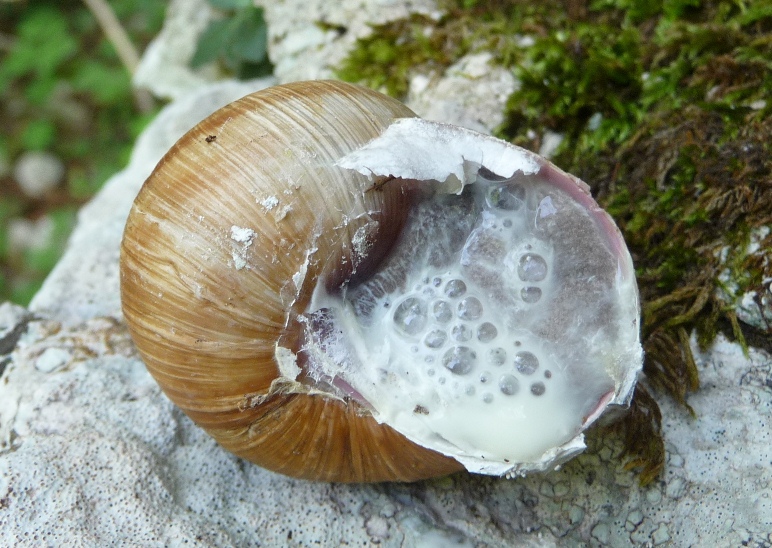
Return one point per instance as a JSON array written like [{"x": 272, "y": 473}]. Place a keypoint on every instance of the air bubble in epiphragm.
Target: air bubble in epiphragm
[
  {"x": 486, "y": 332},
  {"x": 435, "y": 338},
  {"x": 470, "y": 308},
  {"x": 461, "y": 333},
  {"x": 410, "y": 316},
  {"x": 530, "y": 295},
  {"x": 459, "y": 360},
  {"x": 455, "y": 288},
  {"x": 532, "y": 267},
  {"x": 442, "y": 312},
  {"x": 508, "y": 385},
  {"x": 526, "y": 362},
  {"x": 497, "y": 356}
]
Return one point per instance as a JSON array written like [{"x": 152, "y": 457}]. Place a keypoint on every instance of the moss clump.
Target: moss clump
[
  {"x": 641, "y": 432},
  {"x": 384, "y": 59},
  {"x": 665, "y": 111}
]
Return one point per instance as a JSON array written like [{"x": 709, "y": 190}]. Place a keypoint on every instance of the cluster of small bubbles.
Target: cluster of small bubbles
[
  {"x": 525, "y": 363},
  {"x": 451, "y": 323},
  {"x": 532, "y": 268},
  {"x": 507, "y": 200},
  {"x": 446, "y": 322}
]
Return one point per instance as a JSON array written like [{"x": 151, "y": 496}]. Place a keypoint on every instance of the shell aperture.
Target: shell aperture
[{"x": 496, "y": 317}]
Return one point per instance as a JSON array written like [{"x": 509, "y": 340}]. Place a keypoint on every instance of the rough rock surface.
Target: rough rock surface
[
  {"x": 471, "y": 93},
  {"x": 308, "y": 38},
  {"x": 91, "y": 452},
  {"x": 164, "y": 68},
  {"x": 752, "y": 307}
]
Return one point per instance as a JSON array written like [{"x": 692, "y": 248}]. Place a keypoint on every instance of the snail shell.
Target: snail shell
[{"x": 280, "y": 274}]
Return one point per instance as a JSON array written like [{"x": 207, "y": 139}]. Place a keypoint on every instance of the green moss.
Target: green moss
[
  {"x": 641, "y": 434},
  {"x": 385, "y": 59},
  {"x": 569, "y": 76},
  {"x": 665, "y": 110},
  {"x": 684, "y": 168}
]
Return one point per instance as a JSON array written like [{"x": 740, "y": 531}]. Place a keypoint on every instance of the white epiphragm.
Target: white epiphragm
[
  {"x": 503, "y": 322},
  {"x": 418, "y": 149}
]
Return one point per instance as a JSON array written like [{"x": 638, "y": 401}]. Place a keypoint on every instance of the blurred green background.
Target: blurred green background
[{"x": 70, "y": 116}]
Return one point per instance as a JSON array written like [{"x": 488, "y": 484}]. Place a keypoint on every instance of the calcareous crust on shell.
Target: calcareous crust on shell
[{"x": 280, "y": 266}]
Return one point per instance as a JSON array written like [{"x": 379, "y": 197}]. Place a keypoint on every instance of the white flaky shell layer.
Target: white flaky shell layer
[{"x": 338, "y": 290}]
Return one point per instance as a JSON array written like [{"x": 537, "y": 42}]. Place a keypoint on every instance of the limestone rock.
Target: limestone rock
[
  {"x": 165, "y": 65},
  {"x": 308, "y": 38},
  {"x": 92, "y": 453}
]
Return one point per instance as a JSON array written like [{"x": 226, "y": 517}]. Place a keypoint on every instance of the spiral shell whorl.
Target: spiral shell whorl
[{"x": 230, "y": 233}]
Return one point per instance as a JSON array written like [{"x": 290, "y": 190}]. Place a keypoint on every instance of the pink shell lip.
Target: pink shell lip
[
  {"x": 351, "y": 392},
  {"x": 603, "y": 402},
  {"x": 580, "y": 191}
]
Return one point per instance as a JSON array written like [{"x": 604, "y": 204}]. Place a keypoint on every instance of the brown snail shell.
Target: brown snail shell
[{"x": 231, "y": 238}]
